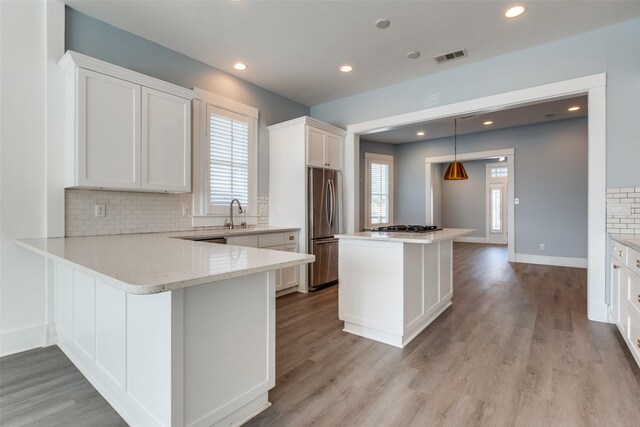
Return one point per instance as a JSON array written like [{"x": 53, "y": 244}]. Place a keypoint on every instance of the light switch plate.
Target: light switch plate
[{"x": 101, "y": 211}]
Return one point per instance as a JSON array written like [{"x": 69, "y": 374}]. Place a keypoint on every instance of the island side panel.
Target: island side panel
[
  {"x": 370, "y": 295},
  {"x": 229, "y": 349},
  {"x": 119, "y": 342}
]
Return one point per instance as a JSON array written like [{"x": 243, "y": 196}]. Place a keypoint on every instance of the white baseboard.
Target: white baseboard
[
  {"x": 559, "y": 261},
  {"x": 19, "y": 340}
]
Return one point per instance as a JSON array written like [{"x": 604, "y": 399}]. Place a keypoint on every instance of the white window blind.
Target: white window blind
[
  {"x": 379, "y": 190},
  {"x": 379, "y": 173},
  {"x": 228, "y": 157},
  {"x": 496, "y": 209}
]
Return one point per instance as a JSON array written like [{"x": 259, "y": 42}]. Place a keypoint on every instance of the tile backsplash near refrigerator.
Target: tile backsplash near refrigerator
[
  {"x": 134, "y": 212},
  {"x": 623, "y": 210}
]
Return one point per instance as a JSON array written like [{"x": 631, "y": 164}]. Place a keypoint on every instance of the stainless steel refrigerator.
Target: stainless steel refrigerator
[{"x": 325, "y": 195}]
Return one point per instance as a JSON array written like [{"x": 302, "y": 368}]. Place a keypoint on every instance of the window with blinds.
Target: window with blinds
[
  {"x": 379, "y": 173},
  {"x": 228, "y": 157},
  {"x": 228, "y": 160},
  {"x": 379, "y": 196}
]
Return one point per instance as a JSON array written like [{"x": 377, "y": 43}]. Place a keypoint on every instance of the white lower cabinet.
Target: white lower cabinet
[
  {"x": 625, "y": 295},
  {"x": 286, "y": 278}
]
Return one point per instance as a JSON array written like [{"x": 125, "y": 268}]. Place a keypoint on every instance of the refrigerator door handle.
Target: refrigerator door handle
[
  {"x": 327, "y": 199},
  {"x": 333, "y": 202}
]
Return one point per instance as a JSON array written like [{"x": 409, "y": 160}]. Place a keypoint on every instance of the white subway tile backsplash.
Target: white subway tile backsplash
[
  {"x": 623, "y": 210},
  {"x": 132, "y": 212}
]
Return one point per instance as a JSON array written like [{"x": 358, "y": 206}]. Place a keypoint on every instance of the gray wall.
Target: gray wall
[
  {"x": 551, "y": 178},
  {"x": 614, "y": 50},
  {"x": 377, "y": 148},
  {"x": 95, "y": 38},
  {"x": 463, "y": 203}
]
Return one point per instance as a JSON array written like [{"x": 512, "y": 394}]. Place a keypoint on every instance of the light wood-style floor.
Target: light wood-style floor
[{"x": 515, "y": 348}]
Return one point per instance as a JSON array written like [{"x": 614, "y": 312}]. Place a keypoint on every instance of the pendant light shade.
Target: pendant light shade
[{"x": 455, "y": 171}]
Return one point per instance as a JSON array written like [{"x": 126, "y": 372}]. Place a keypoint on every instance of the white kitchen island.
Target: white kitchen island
[
  {"x": 393, "y": 285},
  {"x": 171, "y": 332}
]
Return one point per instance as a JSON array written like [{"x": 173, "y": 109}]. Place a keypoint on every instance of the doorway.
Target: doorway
[
  {"x": 594, "y": 86},
  {"x": 496, "y": 183}
]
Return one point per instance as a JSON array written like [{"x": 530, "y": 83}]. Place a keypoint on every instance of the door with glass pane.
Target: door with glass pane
[{"x": 497, "y": 178}]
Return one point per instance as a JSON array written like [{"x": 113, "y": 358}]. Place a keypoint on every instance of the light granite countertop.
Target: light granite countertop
[
  {"x": 152, "y": 263},
  {"x": 627, "y": 239},
  {"x": 420, "y": 238}
]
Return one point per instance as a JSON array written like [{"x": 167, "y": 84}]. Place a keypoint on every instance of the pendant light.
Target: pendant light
[{"x": 455, "y": 171}]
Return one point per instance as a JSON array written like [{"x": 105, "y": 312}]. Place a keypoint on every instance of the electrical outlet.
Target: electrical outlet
[
  {"x": 516, "y": 201},
  {"x": 542, "y": 246},
  {"x": 101, "y": 211},
  {"x": 186, "y": 210}
]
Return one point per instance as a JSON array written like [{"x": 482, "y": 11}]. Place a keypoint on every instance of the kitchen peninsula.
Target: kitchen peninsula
[
  {"x": 171, "y": 332},
  {"x": 393, "y": 285}
]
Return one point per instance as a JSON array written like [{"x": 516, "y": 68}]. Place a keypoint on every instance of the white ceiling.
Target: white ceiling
[
  {"x": 530, "y": 114},
  {"x": 294, "y": 48}
]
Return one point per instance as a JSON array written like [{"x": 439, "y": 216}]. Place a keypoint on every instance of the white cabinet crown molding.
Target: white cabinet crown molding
[
  {"x": 72, "y": 60},
  {"x": 305, "y": 120}
]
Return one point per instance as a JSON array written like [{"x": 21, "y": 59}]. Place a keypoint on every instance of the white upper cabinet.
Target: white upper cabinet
[
  {"x": 108, "y": 155},
  {"x": 166, "y": 141},
  {"x": 324, "y": 149},
  {"x": 125, "y": 130}
]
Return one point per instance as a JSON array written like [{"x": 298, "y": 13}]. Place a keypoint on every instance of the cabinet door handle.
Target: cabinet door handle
[
  {"x": 621, "y": 254},
  {"x": 616, "y": 266},
  {"x": 638, "y": 342},
  {"x": 638, "y": 263},
  {"x": 638, "y": 297}
]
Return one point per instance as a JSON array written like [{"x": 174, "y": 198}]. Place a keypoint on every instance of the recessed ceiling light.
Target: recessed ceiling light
[
  {"x": 383, "y": 23},
  {"x": 346, "y": 68},
  {"x": 488, "y": 122},
  {"x": 413, "y": 54},
  {"x": 420, "y": 133},
  {"x": 240, "y": 66},
  {"x": 576, "y": 108},
  {"x": 515, "y": 11}
]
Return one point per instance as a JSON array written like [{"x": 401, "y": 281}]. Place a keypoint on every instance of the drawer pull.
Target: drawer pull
[
  {"x": 291, "y": 237},
  {"x": 638, "y": 263},
  {"x": 616, "y": 266},
  {"x": 638, "y": 297}
]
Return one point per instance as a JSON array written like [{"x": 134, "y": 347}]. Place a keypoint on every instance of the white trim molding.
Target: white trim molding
[
  {"x": 594, "y": 86},
  {"x": 19, "y": 340},
  {"x": 559, "y": 261},
  {"x": 202, "y": 99}
]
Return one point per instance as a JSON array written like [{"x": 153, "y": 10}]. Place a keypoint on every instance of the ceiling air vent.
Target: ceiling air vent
[{"x": 446, "y": 57}]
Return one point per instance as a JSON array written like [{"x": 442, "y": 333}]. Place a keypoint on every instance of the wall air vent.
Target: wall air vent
[{"x": 446, "y": 57}]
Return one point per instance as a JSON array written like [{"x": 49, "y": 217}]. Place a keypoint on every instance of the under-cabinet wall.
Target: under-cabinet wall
[{"x": 130, "y": 212}]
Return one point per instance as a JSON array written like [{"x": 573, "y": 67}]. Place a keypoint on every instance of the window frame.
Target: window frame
[
  {"x": 377, "y": 158},
  {"x": 205, "y": 214}
]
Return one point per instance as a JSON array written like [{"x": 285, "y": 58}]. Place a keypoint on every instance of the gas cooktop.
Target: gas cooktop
[{"x": 408, "y": 228}]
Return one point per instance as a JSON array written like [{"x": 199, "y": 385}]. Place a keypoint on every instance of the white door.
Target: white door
[
  {"x": 108, "y": 131},
  {"x": 496, "y": 182},
  {"x": 166, "y": 141}
]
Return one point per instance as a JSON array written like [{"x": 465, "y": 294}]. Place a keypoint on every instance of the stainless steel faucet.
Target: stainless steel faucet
[{"x": 231, "y": 211}]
